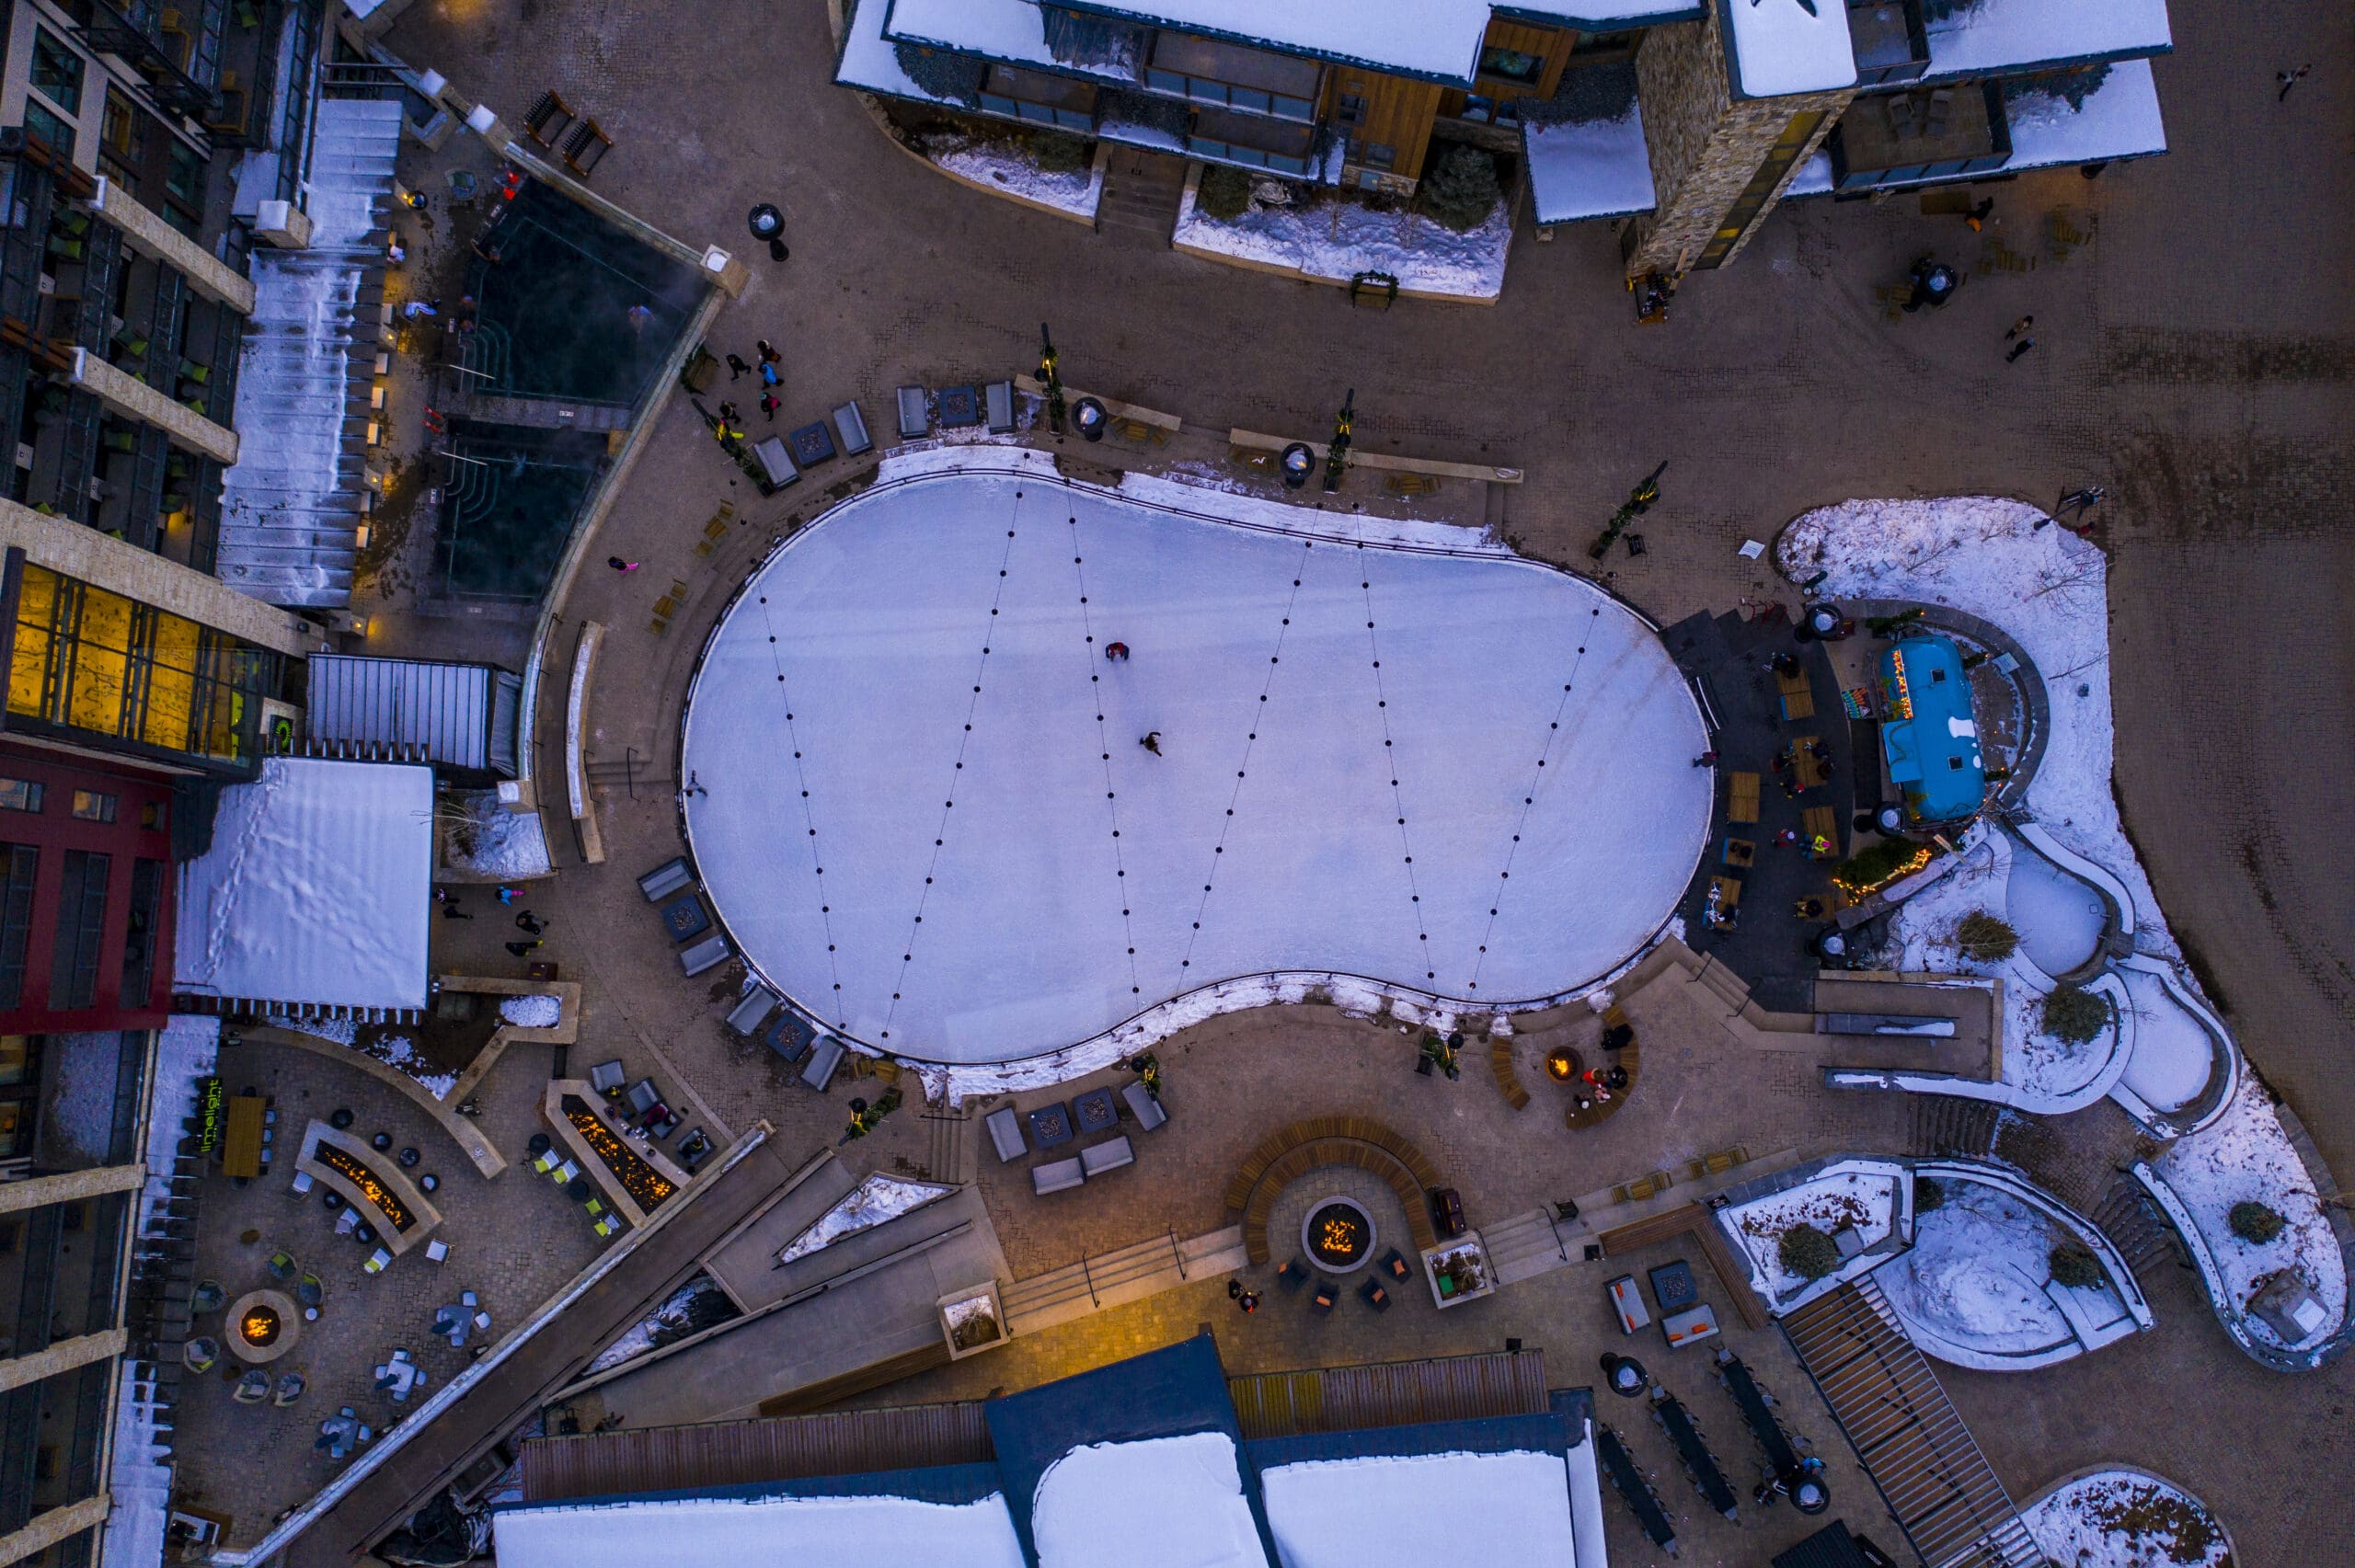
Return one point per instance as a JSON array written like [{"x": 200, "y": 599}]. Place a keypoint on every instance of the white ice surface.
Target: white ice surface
[
  {"x": 1160, "y": 1503},
  {"x": 2174, "y": 1054},
  {"x": 1997, "y": 35},
  {"x": 2089, "y": 1523},
  {"x": 1601, "y": 168},
  {"x": 1509, "y": 1507},
  {"x": 878, "y": 1198},
  {"x": 1030, "y": 903},
  {"x": 875, "y": 1532},
  {"x": 1779, "y": 47},
  {"x": 318, "y": 888},
  {"x": 1975, "y": 1276},
  {"x": 1338, "y": 237},
  {"x": 2120, "y": 120}
]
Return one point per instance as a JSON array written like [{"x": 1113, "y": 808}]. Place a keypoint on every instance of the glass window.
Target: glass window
[
  {"x": 57, "y": 70},
  {"x": 20, "y": 795},
  {"x": 18, "y": 1059},
  {"x": 15, "y": 1129},
  {"x": 19, "y": 864},
  {"x": 139, "y": 944},
  {"x": 81, "y": 928},
  {"x": 49, "y": 127},
  {"x": 1353, "y": 110},
  {"x": 1250, "y": 99},
  {"x": 1512, "y": 64},
  {"x": 90, "y": 806},
  {"x": 184, "y": 174},
  {"x": 1378, "y": 155},
  {"x": 1294, "y": 108}
]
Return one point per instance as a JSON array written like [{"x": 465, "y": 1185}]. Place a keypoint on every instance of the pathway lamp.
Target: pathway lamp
[
  {"x": 1090, "y": 415},
  {"x": 1299, "y": 459},
  {"x": 765, "y": 222},
  {"x": 1625, "y": 1374}
]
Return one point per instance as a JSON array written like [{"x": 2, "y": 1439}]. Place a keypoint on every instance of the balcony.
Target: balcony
[
  {"x": 1944, "y": 133},
  {"x": 1038, "y": 99},
  {"x": 1209, "y": 72},
  {"x": 1250, "y": 140}
]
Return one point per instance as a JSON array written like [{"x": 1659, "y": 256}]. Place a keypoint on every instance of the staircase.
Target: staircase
[
  {"x": 1948, "y": 1126},
  {"x": 1939, "y": 1487},
  {"x": 1139, "y": 207},
  {"x": 1524, "y": 1247},
  {"x": 945, "y": 1157},
  {"x": 2133, "y": 1225},
  {"x": 289, "y": 507}
]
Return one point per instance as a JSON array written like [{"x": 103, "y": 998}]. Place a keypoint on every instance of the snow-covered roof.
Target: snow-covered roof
[
  {"x": 1415, "y": 38},
  {"x": 2001, "y": 35},
  {"x": 1597, "y": 168},
  {"x": 1597, "y": 15},
  {"x": 318, "y": 889},
  {"x": 874, "y": 1531},
  {"x": 1501, "y": 1507},
  {"x": 869, "y": 61},
  {"x": 1001, "y": 29},
  {"x": 1788, "y": 46},
  {"x": 1161, "y": 1502},
  {"x": 2119, "y": 119}
]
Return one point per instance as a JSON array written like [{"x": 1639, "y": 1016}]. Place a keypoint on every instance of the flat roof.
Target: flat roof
[
  {"x": 1779, "y": 47},
  {"x": 318, "y": 889},
  {"x": 2003, "y": 35},
  {"x": 1931, "y": 739}
]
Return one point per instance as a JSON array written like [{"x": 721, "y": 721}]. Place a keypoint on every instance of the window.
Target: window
[
  {"x": 17, "y": 1059},
  {"x": 81, "y": 928},
  {"x": 1211, "y": 72},
  {"x": 139, "y": 945},
  {"x": 1352, "y": 110},
  {"x": 89, "y": 805},
  {"x": 20, "y": 794},
  {"x": 123, "y": 130},
  {"x": 184, "y": 173},
  {"x": 19, "y": 864},
  {"x": 1512, "y": 64},
  {"x": 57, "y": 70},
  {"x": 51, "y": 129},
  {"x": 1378, "y": 155}
]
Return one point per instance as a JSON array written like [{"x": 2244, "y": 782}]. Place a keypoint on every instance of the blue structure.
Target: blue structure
[{"x": 1929, "y": 733}]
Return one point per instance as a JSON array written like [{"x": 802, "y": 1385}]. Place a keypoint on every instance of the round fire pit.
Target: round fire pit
[
  {"x": 1337, "y": 1235},
  {"x": 262, "y": 1326},
  {"x": 1562, "y": 1064}
]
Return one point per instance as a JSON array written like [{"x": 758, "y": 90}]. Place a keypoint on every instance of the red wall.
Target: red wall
[{"x": 54, "y": 830}]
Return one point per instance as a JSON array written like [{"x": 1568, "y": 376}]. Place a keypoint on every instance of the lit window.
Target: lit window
[
  {"x": 89, "y": 805},
  {"x": 1512, "y": 64},
  {"x": 20, "y": 794}
]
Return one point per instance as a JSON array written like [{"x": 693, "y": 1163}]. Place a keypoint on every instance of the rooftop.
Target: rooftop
[
  {"x": 1788, "y": 46},
  {"x": 1930, "y": 738}
]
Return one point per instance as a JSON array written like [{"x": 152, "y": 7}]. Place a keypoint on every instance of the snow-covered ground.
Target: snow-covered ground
[
  {"x": 1159, "y": 1503},
  {"x": 866, "y": 1205},
  {"x": 2173, "y": 1054},
  {"x": 1337, "y": 236},
  {"x": 670, "y": 1315},
  {"x": 987, "y": 865},
  {"x": 1503, "y": 1508},
  {"x": 1853, "y": 1193},
  {"x": 1976, "y": 1273},
  {"x": 2125, "y": 1518},
  {"x": 396, "y": 1051},
  {"x": 541, "y": 1011},
  {"x": 2244, "y": 1156},
  {"x": 1003, "y": 168},
  {"x": 493, "y": 842}
]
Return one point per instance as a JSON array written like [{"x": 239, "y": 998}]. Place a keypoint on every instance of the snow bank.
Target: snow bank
[
  {"x": 869, "y": 1204},
  {"x": 2243, "y": 1156},
  {"x": 1161, "y": 1502},
  {"x": 1338, "y": 237},
  {"x": 671, "y": 1315},
  {"x": 876, "y": 1533},
  {"x": 1001, "y": 167},
  {"x": 493, "y": 842},
  {"x": 2125, "y": 1518},
  {"x": 1854, "y": 1193},
  {"x": 1508, "y": 1507},
  {"x": 1975, "y": 1276},
  {"x": 532, "y": 1012}
]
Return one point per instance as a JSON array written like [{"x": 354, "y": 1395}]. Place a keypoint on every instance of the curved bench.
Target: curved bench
[
  {"x": 1500, "y": 1063},
  {"x": 1283, "y": 1158},
  {"x": 462, "y": 1130},
  {"x": 1255, "y": 1164}
]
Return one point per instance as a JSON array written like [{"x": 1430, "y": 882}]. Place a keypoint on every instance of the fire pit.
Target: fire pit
[
  {"x": 1337, "y": 1235},
  {"x": 1562, "y": 1064},
  {"x": 262, "y": 1326}
]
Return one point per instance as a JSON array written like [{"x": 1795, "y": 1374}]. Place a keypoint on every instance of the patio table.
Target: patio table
[
  {"x": 1051, "y": 1124},
  {"x": 1095, "y": 1111},
  {"x": 684, "y": 917}
]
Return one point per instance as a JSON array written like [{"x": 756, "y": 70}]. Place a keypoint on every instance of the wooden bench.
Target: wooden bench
[
  {"x": 1629, "y": 1056},
  {"x": 550, "y": 118},
  {"x": 1742, "y": 798},
  {"x": 586, "y": 147},
  {"x": 1410, "y": 484},
  {"x": 1414, "y": 1197},
  {"x": 1270, "y": 1148},
  {"x": 1500, "y": 1063},
  {"x": 1797, "y": 697}
]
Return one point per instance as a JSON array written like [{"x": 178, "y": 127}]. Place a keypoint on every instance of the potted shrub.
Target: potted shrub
[
  {"x": 1808, "y": 1251},
  {"x": 1983, "y": 937}
]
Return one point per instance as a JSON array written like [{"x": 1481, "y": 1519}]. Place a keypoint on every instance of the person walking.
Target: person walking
[
  {"x": 1152, "y": 742},
  {"x": 2022, "y": 346},
  {"x": 450, "y": 912},
  {"x": 619, "y": 565},
  {"x": 1977, "y": 216},
  {"x": 528, "y": 922},
  {"x": 768, "y": 375},
  {"x": 736, "y": 366},
  {"x": 2290, "y": 79},
  {"x": 508, "y": 895},
  {"x": 522, "y": 948},
  {"x": 1706, "y": 760},
  {"x": 767, "y": 352},
  {"x": 2019, "y": 328},
  {"x": 729, "y": 414},
  {"x": 769, "y": 405},
  {"x": 1115, "y": 650}
]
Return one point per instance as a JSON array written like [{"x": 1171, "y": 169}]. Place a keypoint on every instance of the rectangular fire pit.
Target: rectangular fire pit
[
  {"x": 634, "y": 1177},
  {"x": 371, "y": 1183}
]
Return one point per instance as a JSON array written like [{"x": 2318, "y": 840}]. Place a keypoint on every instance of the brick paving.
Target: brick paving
[{"x": 2195, "y": 358}]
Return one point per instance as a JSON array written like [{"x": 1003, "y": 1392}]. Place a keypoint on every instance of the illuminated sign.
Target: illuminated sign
[{"x": 210, "y": 1103}]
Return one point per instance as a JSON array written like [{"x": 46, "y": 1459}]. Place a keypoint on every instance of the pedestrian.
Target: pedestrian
[
  {"x": 450, "y": 912},
  {"x": 1152, "y": 742},
  {"x": 723, "y": 433},
  {"x": 1977, "y": 216},
  {"x": 441, "y": 895},
  {"x": 2022, "y": 346},
  {"x": 394, "y": 254},
  {"x": 1787, "y": 838},
  {"x": 769, "y": 405},
  {"x": 639, "y": 316},
  {"x": 522, "y": 948},
  {"x": 1706, "y": 760},
  {"x": 729, "y": 414},
  {"x": 2290, "y": 79},
  {"x": 736, "y": 367},
  {"x": 2019, "y": 327},
  {"x": 1809, "y": 908},
  {"x": 766, "y": 351},
  {"x": 508, "y": 895},
  {"x": 1115, "y": 650},
  {"x": 530, "y": 922},
  {"x": 619, "y": 565},
  {"x": 1248, "y": 1301},
  {"x": 769, "y": 375}
]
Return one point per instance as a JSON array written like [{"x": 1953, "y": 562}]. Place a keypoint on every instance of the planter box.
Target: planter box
[
  {"x": 1469, "y": 1248},
  {"x": 972, "y": 1320}
]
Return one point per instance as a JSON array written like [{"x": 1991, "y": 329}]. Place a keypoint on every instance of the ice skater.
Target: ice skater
[
  {"x": 1115, "y": 650},
  {"x": 1152, "y": 742},
  {"x": 528, "y": 922}
]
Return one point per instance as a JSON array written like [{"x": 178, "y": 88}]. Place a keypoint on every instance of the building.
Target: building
[{"x": 1690, "y": 119}]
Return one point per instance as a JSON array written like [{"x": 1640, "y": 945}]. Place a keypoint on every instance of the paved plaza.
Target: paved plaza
[{"x": 2193, "y": 358}]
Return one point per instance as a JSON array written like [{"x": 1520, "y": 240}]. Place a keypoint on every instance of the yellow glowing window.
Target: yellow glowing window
[
  {"x": 29, "y": 669},
  {"x": 101, "y": 661},
  {"x": 171, "y": 684}
]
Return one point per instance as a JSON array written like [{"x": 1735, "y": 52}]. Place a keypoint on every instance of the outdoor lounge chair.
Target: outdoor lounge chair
[
  {"x": 1109, "y": 1155},
  {"x": 1057, "y": 1175},
  {"x": 643, "y": 1097},
  {"x": 913, "y": 420},
  {"x": 606, "y": 1075},
  {"x": 752, "y": 1012},
  {"x": 550, "y": 118},
  {"x": 824, "y": 1059},
  {"x": 851, "y": 425},
  {"x": 666, "y": 879},
  {"x": 1326, "y": 1294},
  {"x": 586, "y": 147},
  {"x": 1005, "y": 1134},
  {"x": 709, "y": 954},
  {"x": 1147, "y": 1110},
  {"x": 1292, "y": 1274}
]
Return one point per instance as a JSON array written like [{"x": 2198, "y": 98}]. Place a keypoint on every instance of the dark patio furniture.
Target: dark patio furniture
[
  {"x": 709, "y": 954},
  {"x": 1052, "y": 1125},
  {"x": 750, "y": 1011},
  {"x": 539, "y": 1143},
  {"x": 1447, "y": 1212},
  {"x": 1293, "y": 1275},
  {"x": 810, "y": 444},
  {"x": 381, "y": 1142},
  {"x": 1393, "y": 1264},
  {"x": 1095, "y": 1111},
  {"x": 579, "y": 1190},
  {"x": 408, "y": 1157},
  {"x": 1005, "y": 1134},
  {"x": 661, "y": 1121},
  {"x": 666, "y": 879},
  {"x": 643, "y": 1097},
  {"x": 1148, "y": 1111},
  {"x": 961, "y": 408},
  {"x": 693, "y": 1148},
  {"x": 824, "y": 1058},
  {"x": 1376, "y": 1295},
  {"x": 998, "y": 402},
  {"x": 363, "y": 1233},
  {"x": 789, "y": 1036},
  {"x": 1327, "y": 1293},
  {"x": 341, "y": 1118},
  {"x": 684, "y": 917}
]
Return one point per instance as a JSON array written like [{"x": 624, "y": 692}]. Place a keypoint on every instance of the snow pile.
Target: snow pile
[
  {"x": 2244, "y": 1156},
  {"x": 670, "y": 1321},
  {"x": 80, "y": 1112},
  {"x": 493, "y": 842},
  {"x": 1161, "y": 1502},
  {"x": 540, "y": 1012},
  {"x": 1237, "y": 502},
  {"x": 1842, "y": 1196},
  {"x": 1997, "y": 34},
  {"x": 2124, "y": 1518},
  {"x": 1594, "y": 168},
  {"x": 1508, "y": 1507},
  {"x": 1001, "y": 167},
  {"x": 400, "y": 1053},
  {"x": 2119, "y": 119},
  {"x": 1785, "y": 46},
  {"x": 873, "y": 1201},
  {"x": 2174, "y": 1054},
  {"x": 1975, "y": 1276},
  {"x": 1338, "y": 237}
]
